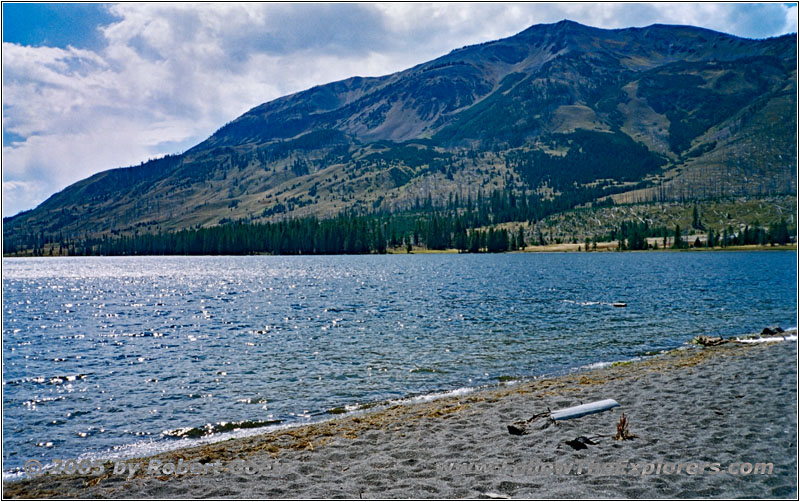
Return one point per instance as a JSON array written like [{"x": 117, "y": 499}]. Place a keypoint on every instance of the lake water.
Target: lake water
[{"x": 127, "y": 356}]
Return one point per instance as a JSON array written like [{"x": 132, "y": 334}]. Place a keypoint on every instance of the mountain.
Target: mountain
[{"x": 558, "y": 111}]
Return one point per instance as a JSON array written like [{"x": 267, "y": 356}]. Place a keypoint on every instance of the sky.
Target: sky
[{"x": 91, "y": 87}]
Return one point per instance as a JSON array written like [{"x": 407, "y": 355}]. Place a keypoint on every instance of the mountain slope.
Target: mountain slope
[{"x": 557, "y": 110}]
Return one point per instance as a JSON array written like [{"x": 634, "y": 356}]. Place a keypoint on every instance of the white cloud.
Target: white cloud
[
  {"x": 171, "y": 74},
  {"x": 20, "y": 193}
]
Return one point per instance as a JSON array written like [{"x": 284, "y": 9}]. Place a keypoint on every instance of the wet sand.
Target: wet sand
[{"x": 704, "y": 408}]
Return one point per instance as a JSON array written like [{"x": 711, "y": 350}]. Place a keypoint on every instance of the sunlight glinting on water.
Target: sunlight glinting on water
[{"x": 133, "y": 355}]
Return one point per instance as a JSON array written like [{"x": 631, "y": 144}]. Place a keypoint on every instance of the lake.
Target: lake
[{"x": 129, "y": 356}]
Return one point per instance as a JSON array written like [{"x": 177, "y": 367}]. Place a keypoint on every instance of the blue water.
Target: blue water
[{"x": 104, "y": 355}]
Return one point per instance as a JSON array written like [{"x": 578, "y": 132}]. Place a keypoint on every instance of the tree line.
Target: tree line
[
  {"x": 342, "y": 235},
  {"x": 456, "y": 225},
  {"x": 462, "y": 223},
  {"x": 632, "y": 235}
]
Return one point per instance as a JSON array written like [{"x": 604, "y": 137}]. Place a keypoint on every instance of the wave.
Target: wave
[
  {"x": 54, "y": 380},
  {"x": 211, "y": 429},
  {"x": 590, "y": 303}
]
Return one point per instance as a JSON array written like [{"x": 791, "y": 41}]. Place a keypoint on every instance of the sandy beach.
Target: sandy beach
[{"x": 709, "y": 422}]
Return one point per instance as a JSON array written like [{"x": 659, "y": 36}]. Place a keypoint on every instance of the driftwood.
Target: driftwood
[
  {"x": 709, "y": 341},
  {"x": 520, "y": 427},
  {"x": 584, "y": 409}
]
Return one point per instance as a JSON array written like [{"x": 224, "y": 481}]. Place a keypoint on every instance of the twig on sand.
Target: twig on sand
[{"x": 622, "y": 429}]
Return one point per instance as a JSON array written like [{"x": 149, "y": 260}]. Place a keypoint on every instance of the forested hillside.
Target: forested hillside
[{"x": 558, "y": 117}]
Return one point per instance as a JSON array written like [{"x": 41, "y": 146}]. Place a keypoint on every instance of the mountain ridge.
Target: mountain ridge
[{"x": 526, "y": 34}]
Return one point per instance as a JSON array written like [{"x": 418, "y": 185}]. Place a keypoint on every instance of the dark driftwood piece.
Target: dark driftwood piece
[
  {"x": 708, "y": 341},
  {"x": 520, "y": 427},
  {"x": 580, "y": 443}
]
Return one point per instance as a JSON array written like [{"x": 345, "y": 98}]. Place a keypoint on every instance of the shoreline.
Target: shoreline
[
  {"x": 348, "y": 410},
  {"x": 604, "y": 247},
  {"x": 401, "y": 438},
  {"x": 344, "y": 411},
  {"x": 607, "y": 247}
]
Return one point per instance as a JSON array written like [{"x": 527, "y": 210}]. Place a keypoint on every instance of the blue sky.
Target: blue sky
[
  {"x": 56, "y": 25},
  {"x": 90, "y": 87}
]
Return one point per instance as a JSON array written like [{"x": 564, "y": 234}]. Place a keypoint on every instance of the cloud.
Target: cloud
[
  {"x": 168, "y": 75},
  {"x": 20, "y": 193}
]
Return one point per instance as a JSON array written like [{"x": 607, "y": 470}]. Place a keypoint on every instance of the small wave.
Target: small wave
[
  {"x": 211, "y": 429},
  {"x": 587, "y": 303},
  {"x": 14, "y": 474},
  {"x": 426, "y": 370},
  {"x": 337, "y": 310},
  {"x": 424, "y": 398},
  {"x": 597, "y": 365},
  {"x": 788, "y": 338},
  {"x": 776, "y": 335},
  {"x": 253, "y": 400},
  {"x": 351, "y": 408},
  {"x": 620, "y": 362},
  {"x": 42, "y": 380},
  {"x": 36, "y": 401}
]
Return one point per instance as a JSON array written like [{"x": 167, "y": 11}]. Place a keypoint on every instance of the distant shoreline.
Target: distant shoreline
[{"x": 604, "y": 247}]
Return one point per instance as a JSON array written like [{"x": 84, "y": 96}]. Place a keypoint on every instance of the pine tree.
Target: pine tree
[
  {"x": 696, "y": 218},
  {"x": 779, "y": 233},
  {"x": 678, "y": 244},
  {"x": 460, "y": 240}
]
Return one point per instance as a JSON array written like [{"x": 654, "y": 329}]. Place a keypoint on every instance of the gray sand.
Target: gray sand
[{"x": 714, "y": 406}]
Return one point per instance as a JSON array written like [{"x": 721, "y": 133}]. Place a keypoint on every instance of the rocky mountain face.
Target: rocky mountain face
[{"x": 559, "y": 110}]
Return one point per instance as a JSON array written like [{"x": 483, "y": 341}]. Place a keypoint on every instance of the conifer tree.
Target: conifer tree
[{"x": 678, "y": 244}]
